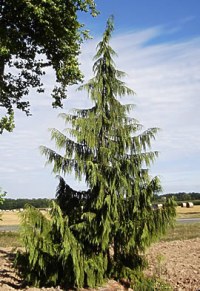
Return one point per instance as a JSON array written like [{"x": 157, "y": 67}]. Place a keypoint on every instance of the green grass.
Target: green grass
[
  {"x": 179, "y": 232},
  {"x": 183, "y": 231},
  {"x": 9, "y": 239}
]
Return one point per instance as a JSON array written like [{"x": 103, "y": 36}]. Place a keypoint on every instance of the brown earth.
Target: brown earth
[{"x": 177, "y": 262}]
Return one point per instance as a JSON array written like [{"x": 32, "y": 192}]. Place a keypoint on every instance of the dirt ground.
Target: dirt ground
[{"x": 178, "y": 262}]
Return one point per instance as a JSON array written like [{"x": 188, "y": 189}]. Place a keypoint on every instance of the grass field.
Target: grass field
[
  {"x": 9, "y": 239},
  {"x": 182, "y": 232},
  {"x": 179, "y": 232},
  {"x": 193, "y": 212},
  {"x": 13, "y": 218},
  {"x": 10, "y": 218}
]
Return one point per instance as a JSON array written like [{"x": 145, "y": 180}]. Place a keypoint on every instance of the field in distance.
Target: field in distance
[
  {"x": 183, "y": 212},
  {"x": 13, "y": 218},
  {"x": 181, "y": 231}
]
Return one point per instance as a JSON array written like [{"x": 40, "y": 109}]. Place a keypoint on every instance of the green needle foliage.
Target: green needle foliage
[{"x": 100, "y": 233}]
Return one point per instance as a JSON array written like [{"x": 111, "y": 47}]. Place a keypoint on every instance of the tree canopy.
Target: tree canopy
[
  {"x": 18, "y": 203},
  {"x": 2, "y": 195},
  {"x": 34, "y": 35},
  {"x": 102, "y": 232}
]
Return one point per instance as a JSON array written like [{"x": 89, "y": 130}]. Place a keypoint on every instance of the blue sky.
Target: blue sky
[{"x": 158, "y": 46}]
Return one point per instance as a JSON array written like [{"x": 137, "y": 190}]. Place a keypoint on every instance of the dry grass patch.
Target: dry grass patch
[
  {"x": 10, "y": 218},
  {"x": 13, "y": 218},
  {"x": 183, "y": 212}
]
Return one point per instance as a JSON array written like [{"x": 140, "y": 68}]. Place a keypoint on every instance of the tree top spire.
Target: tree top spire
[
  {"x": 109, "y": 29},
  {"x": 103, "y": 46}
]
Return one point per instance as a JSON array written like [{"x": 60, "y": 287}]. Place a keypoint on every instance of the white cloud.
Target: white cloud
[{"x": 166, "y": 79}]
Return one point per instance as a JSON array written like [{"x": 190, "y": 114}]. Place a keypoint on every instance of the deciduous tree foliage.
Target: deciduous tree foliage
[
  {"x": 2, "y": 195},
  {"x": 18, "y": 203},
  {"x": 35, "y": 34},
  {"x": 100, "y": 233}
]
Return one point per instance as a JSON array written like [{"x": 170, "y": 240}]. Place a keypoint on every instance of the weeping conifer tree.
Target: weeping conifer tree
[{"x": 100, "y": 233}]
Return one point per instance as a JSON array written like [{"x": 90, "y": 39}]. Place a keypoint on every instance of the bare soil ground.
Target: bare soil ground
[{"x": 177, "y": 262}]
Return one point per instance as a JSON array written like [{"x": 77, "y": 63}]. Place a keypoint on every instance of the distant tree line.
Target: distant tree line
[
  {"x": 10, "y": 204},
  {"x": 180, "y": 196}
]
